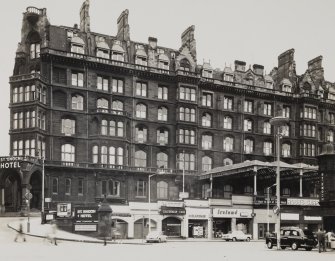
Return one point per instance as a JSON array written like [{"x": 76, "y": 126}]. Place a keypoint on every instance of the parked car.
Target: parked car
[
  {"x": 236, "y": 235},
  {"x": 293, "y": 237},
  {"x": 156, "y": 236}
]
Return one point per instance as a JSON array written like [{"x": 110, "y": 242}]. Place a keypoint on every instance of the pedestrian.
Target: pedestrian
[
  {"x": 329, "y": 236},
  {"x": 53, "y": 233},
  {"x": 321, "y": 240},
  {"x": 20, "y": 233}
]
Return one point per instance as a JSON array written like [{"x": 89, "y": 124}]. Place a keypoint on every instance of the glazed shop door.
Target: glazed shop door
[{"x": 171, "y": 227}]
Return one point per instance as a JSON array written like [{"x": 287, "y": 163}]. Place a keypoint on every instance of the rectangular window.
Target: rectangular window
[
  {"x": 248, "y": 106},
  {"x": 162, "y": 93},
  {"x": 141, "y": 89},
  {"x": 187, "y": 94},
  {"x": 35, "y": 50},
  {"x": 54, "y": 186},
  {"x": 77, "y": 79},
  {"x": 228, "y": 103},
  {"x": 186, "y": 161},
  {"x": 20, "y": 120},
  {"x": 141, "y": 188},
  {"x": 68, "y": 187},
  {"x": 310, "y": 113},
  {"x": 117, "y": 85},
  {"x": 332, "y": 118},
  {"x": 207, "y": 99},
  {"x": 268, "y": 109},
  {"x": 307, "y": 130},
  {"x": 59, "y": 75},
  {"x": 15, "y": 120},
  {"x": 102, "y": 83},
  {"x": 186, "y": 136},
  {"x": 80, "y": 186},
  {"x": 68, "y": 127},
  {"x": 286, "y": 111}
]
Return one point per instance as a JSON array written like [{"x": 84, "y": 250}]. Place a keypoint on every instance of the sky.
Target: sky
[{"x": 254, "y": 31}]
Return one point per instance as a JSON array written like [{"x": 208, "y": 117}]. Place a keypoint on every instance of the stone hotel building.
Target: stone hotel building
[{"x": 105, "y": 116}]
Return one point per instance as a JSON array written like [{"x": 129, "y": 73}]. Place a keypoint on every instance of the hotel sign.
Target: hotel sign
[
  {"x": 86, "y": 214},
  {"x": 9, "y": 163},
  {"x": 232, "y": 213}
]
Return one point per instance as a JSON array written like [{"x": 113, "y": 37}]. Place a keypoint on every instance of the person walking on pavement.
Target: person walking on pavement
[
  {"x": 20, "y": 233},
  {"x": 321, "y": 240},
  {"x": 53, "y": 233}
]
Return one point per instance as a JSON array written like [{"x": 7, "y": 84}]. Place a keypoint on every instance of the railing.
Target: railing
[
  {"x": 34, "y": 10},
  {"x": 188, "y": 73},
  {"x": 24, "y": 77},
  {"x": 120, "y": 167}
]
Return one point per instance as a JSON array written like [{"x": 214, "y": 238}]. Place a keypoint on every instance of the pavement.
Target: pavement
[{"x": 43, "y": 230}]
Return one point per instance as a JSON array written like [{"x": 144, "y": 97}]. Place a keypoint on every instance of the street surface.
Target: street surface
[{"x": 38, "y": 249}]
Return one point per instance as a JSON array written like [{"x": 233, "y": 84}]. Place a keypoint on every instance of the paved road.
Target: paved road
[{"x": 36, "y": 249}]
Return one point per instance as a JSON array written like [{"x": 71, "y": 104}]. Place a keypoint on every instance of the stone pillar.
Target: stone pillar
[
  {"x": 255, "y": 230},
  {"x": 255, "y": 181},
  {"x": 210, "y": 228},
  {"x": 184, "y": 228},
  {"x": 300, "y": 183},
  {"x": 159, "y": 224},
  {"x": 131, "y": 229},
  {"x": 233, "y": 224},
  {"x": 211, "y": 187}
]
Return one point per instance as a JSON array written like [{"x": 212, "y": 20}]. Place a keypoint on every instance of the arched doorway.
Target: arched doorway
[
  {"x": 11, "y": 183},
  {"x": 36, "y": 191},
  {"x": 141, "y": 227},
  {"x": 119, "y": 228},
  {"x": 171, "y": 227}
]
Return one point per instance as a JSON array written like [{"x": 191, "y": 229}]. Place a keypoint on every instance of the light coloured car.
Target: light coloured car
[
  {"x": 236, "y": 236},
  {"x": 156, "y": 236}
]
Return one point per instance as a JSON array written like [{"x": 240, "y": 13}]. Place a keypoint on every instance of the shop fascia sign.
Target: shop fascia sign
[
  {"x": 259, "y": 200},
  {"x": 86, "y": 214},
  {"x": 232, "y": 213},
  {"x": 9, "y": 163},
  {"x": 171, "y": 204},
  {"x": 197, "y": 213},
  {"x": 172, "y": 211}
]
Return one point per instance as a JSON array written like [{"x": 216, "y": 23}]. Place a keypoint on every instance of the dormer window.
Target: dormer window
[
  {"x": 286, "y": 85},
  {"x": 163, "y": 62},
  {"x": 229, "y": 77},
  {"x": 117, "y": 53},
  {"x": 185, "y": 65},
  {"x": 269, "y": 85},
  {"x": 77, "y": 45},
  {"x": 141, "y": 57},
  {"x": 207, "y": 73},
  {"x": 103, "y": 50}
]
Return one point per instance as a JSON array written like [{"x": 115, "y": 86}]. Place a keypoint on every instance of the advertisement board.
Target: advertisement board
[{"x": 86, "y": 214}]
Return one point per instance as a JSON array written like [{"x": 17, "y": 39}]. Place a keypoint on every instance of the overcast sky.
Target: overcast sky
[{"x": 252, "y": 31}]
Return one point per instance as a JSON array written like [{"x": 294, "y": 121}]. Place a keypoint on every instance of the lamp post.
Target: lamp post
[
  {"x": 278, "y": 122},
  {"x": 149, "y": 197},
  {"x": 268, "y": 206},
  {"x": 43, "y": 196}
]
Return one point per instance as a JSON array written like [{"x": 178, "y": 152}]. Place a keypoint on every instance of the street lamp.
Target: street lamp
[
  {"x": 149, "y": 197},
  {"x": 278, "y": 122},
  {"x": 43, "y": 196},
  {"x": 268, "y": 205}
]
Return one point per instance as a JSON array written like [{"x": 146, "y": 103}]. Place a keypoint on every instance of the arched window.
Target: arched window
[
  {"x": 112, "y": 156},
  {"x": 228, "y": 144},
  {"x": 95, "y": 154},
  {"x": 286, "y": 192},
  {"x": 162, "y": 190},
  {"x": 266, "y": 127},
  {"x": 54, "y": 186},
  {"x": 186, "y": 161},
  {"x": 35, "y": 50},
  {"x": 104, "y": 155},
  {"x": 68, "y": 187},
  {"x": 285, "y": 130},
  {"x": 207, "y": 141},
  {"x": 68, "y": 153},
  {"x": 247, "y": 125},
  {"x": 115, "y": 155},
  {"x": 185, "y": 65},
  {"x": 206, "y": 120},
  {"x": 330, "y": 136},
  {"x": 162, "y": 160},
  {"x": 141, "y": 111},
  {"x": 286, "y": 150},
  {"x": 141, "y": 133},
  {"x": 162, "y": 114},
  {"x": 117, "y": 106},
  {"x": 227, "y": 122},
  {"x": 119, "y": 156},
  {"x": 248, "y": 146},
  {"x": 77, "y": 102},
  {"x": 227, "y": 161},
  {"x": 102, "y": 105},
  {"x": 140, "y": 158},
  {"x": 206, "y": 163},
  {"x": 162, "y": 136}
]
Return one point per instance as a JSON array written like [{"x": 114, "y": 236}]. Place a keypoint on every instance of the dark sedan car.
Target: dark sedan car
[{"x": 293, "y": 237}]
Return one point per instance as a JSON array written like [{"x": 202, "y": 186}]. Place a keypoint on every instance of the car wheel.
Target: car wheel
[
  {"x": 308, "y": 248},
  {"x": 227, "y": 240},
  {"x": 294, "y": 246},
  {"x": 234, "y": 239},
  {"x": 159, "y": 240},
  {"x": 283, "y": 247},
  {"x": 248, "y": 239},
  {"x": 269, "y": 245}
]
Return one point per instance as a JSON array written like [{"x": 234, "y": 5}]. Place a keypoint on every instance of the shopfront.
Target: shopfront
[
  {"x": 172, "y": 220},
  {"x": 231, "y": 219},
  {"x": 197, "y": 219}
]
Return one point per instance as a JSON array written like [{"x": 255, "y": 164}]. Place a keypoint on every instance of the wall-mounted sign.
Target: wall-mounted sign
[
  {"x": 302, "y": 202},
  {"x": 63, "y": 209},
  {"x": 289, "y": 216},
  {"x": 171, "y": 204},
  {"x": 197, "y": 213},
  {"x": 262, "y": 200},
  {"x": 172, "y": 211},
  {"x": 231, "y": 213},
  {"x": 10, "y": 165},
  {"x": 85, "y": 227},
  {"x": 86, "y": 214},
  {"x": 312, "y": 218}
]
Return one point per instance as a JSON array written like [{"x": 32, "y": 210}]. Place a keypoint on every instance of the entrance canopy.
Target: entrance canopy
[{"x": 263, "y": 170}]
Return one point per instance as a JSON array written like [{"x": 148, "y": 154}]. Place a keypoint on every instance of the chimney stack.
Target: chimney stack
[
  {"x": 85, "y": 17},
  {"x": 123, "y": 33}
]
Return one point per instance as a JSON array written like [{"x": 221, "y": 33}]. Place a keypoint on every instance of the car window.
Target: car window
[
  {"x": 287, "y": 233},
  {"x": 294, "y": 233}
]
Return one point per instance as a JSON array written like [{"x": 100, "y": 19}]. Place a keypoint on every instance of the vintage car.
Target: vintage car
[
  {"x": 293, "y": 237},
  {"x": 156, "y": 236},
  {"x": 236, "y": 236}
]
